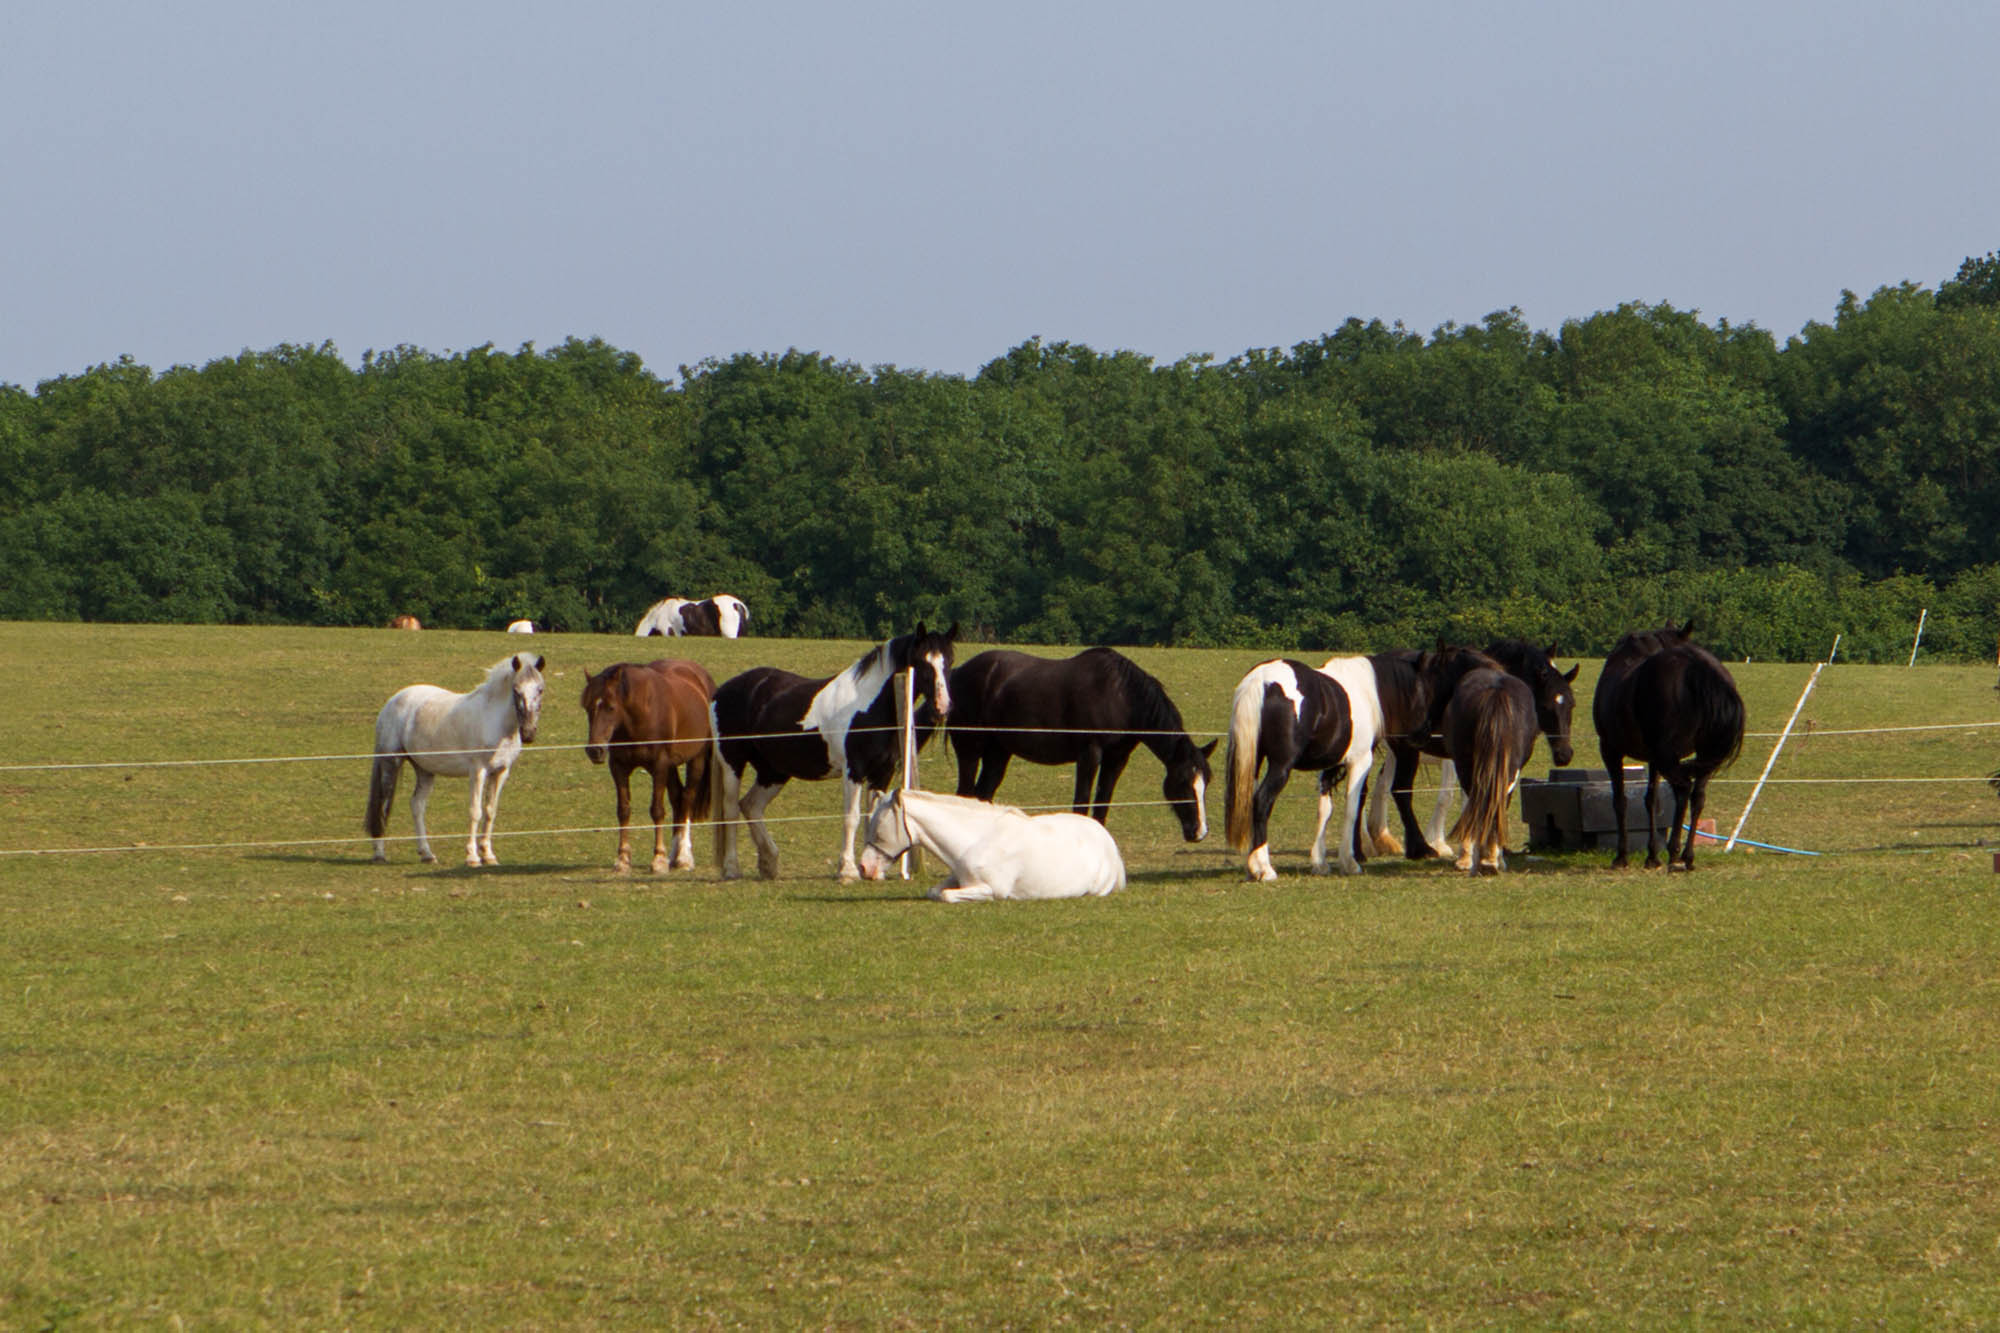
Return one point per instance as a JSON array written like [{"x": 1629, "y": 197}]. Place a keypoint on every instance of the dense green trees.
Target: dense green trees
[{"x": 1372, "y": 487}]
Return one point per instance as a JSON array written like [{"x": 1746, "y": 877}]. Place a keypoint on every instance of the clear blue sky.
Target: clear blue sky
[{"x": 930, "y": 184}]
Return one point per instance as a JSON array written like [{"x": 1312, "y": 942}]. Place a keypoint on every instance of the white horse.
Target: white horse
[
  {"x": 994, "y": 852},
  {"x": 476, "y": 735},
  {"x": 1356, "y": 675},
  {"x": 521, "y": 627}
]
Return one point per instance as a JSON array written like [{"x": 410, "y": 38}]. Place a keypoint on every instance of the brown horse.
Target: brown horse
[
  {"x": 654, "y": 716},
  {"x": 405, "y": 621}
]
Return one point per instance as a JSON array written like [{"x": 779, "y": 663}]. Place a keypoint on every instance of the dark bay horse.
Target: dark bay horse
[
  {"x": 785, "y": 726},
  {"x": 1413, "y": 733},
  {"x": 654, "y": 717},
  {"x": 1091, "y": 710},
  {"x": 1488, "y": 727},
  {"x": 1665, "y": 699},
  {"x": 1284, "y": 715}
]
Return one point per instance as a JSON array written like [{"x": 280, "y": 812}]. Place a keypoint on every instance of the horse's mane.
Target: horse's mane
[{"x": 1152, "y": 710}]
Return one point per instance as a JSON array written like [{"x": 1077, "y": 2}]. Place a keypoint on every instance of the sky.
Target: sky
[{"x": 929, "y": 185}]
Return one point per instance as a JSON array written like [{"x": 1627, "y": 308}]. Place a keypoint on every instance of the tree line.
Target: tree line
[{"x": 1374, "y": 487}]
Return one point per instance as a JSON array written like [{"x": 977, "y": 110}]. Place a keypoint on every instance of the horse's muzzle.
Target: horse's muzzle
[
  {"x": 594, "y": 753},
  {"x": 1561, "y": 751}
]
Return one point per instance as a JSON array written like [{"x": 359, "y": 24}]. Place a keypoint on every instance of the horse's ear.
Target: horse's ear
[
  {"x": 1687, "y": 631},
  {"x": 951, "y": 635},
  {"x": 1550, "y": 652},
  {"x": 1209, "y": 748},
  {"x": 517, "y": 662},
  {"x": 541, "y": 662},
  {"x": 920, "y": 629},
  {"x": 1570, "y": 675}
]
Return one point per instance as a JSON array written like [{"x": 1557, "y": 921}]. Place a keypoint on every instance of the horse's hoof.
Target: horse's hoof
[
  {"x": 380, "y": 858},
  {"x": 732, "y": 872},
  {"x": 660, "y": 865},
  {"x": 621, "y": 866},
  {"x": 1388, "y": 844},
  {"x": 428, "y": 858}
]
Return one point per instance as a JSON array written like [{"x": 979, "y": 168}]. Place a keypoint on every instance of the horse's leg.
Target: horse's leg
[
  {"x": 420, "y": 799},
  {"x": 1682, "y": 783},
  {"x": 727, "y": 817},
  {"x": 851, "y": 794},
  {"x": 991, "y": 772},
  {"x": 969, "y": 749},
  {"x": 963, "y": 893},
  {"x": 666, "y": 787},
  {"x": 1652, "y": 820},
  {"x": 1697, "y": 798},
  {"x": 1379, "y": 838},
  {"x": 1327, "y": 778},
  {"x": 1614, "y": 766},
  {"x": 621, "y": 782},
  {"x": 1357, "y": 792},
  {"x": 1086, "y": 774},
  {"x": 1107, "y": 781},
  {"x": 478, "y": 785},
  {"x": 753, "y": 804},
  {"x": 1439, "y": 836},
  {"x": 685, "y": 794},
  {"x": 492, "y": 816},
  {"x": 1276, "y": 774}
]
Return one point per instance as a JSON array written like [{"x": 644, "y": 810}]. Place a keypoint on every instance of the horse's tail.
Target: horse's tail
[
  {"x": 382, "y": 775},
  {"x": 1718, "y": 712},
  {"x": 701, "y": 780},
  {"x": 1484, "y": 819},
  {"x": 1246, "y": 716}
]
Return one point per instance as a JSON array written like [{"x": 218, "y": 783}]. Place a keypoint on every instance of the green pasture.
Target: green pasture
[{"x": 248, "y": 1078}]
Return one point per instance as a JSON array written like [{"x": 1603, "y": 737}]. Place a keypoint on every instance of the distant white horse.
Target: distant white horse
[
  {"x": 994, "y": 852},
  {"x": 521, "y": 627},
  {"x": 721, "y": 616},
  {"x": 476, "y": 735}
]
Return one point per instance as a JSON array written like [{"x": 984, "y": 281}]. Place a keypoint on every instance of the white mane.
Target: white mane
[{"x": 833, "y": 708}]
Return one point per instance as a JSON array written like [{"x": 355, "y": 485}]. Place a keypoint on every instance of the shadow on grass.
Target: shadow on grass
[{"x": 439, "y": 871}]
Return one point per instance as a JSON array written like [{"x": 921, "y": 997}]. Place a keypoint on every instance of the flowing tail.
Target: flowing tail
[
  {"x": 382, "y": 775},
  {"x": 1719, "y": 707},
  {"x": 1483, "y": 822},
  {"x": 1246, "y": 715}
]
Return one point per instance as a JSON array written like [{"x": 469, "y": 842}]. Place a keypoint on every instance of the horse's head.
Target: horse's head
[
  {"x": 929, "y": 661},
  {"x": 888, "y": 835},
  {"x": 1186, "y": 788},
  {"x": 603, "y": 706},
  {"x": 1555, "y": 700},
  {"x": 527, "y": 686}
]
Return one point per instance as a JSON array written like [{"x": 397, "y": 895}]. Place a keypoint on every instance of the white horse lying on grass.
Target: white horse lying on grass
[{"x": 994, "y": 851}]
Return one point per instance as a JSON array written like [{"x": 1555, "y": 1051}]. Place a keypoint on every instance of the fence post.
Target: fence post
[{"x": 1744, "y": 818}]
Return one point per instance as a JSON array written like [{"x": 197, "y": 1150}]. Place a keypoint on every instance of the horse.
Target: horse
[
  {"x": 994, "y": 852},
  {"x": 404, "y": 622},
  {"x": 1287, "y": 715},
  {"x": 1665, "y": 699},
  {"x": 721, "y": 616},
  {"x": 476, "y": 735},
  {"x": 1488, "y": 727},
  {"x": 654, "y": 717},
  {"x": 786, "y": 726},
  {"x": 521, "y": 627},
  {"x": 1412, "y": 736},
  {"x": 1091, "y": 710}
]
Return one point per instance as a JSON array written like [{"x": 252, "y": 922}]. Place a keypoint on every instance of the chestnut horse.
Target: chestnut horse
[{"x": 655, "y": 717}]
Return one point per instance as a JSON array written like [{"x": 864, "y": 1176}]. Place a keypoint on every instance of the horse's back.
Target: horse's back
[{"x": 1060, "y": 855}]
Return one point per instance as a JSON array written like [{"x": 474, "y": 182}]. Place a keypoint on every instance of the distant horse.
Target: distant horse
[
  {"x": 1091, "y": 710},
  {"x": 1411, "y": 739},
  {"x": 1663, "y": 698},
  {"x": 995, "y": 852},
  {"x": 654, "y": 717},
  {"x": 721, "y": 616},
  {"x": 1286, "y": 715},
  {"x": 404, "y": 622},
  {"x": 1488, "y": 726},
  {"x": 785, "y": 726},
  {"x": 476, "y": 735},
  {"x": 521, "y": 627}
]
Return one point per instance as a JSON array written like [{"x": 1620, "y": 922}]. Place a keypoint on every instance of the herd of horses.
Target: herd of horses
[{"x": 727, "y": 750}]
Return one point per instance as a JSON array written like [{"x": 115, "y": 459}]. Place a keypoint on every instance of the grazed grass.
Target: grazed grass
[{"x": 282, "y": 1085}]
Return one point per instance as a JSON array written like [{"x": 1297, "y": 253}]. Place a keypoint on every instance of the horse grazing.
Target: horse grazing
[
  {"x": 994, "y": 852},
  {"x": 1665, "y": 699},
  {"x": 1286, "y": 715},
  {"x": 1488, "y": 727},
  {"x": 785, "y": 726},
  {"x": 720, "y": 616},
  {"x": 405, "y": 622},
  {"x": 654, "y": 717},
  {"x": 476, "y": 735},
  {"x": 1091, "y": 710},
  {"x": 1412, "y": 734}
]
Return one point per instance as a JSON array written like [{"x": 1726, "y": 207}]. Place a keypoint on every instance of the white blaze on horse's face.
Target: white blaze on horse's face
[
  {"x": 1200, "y": 808},
  {"x": 941, "y": 691},
  {"x": 528, "y": 696}
]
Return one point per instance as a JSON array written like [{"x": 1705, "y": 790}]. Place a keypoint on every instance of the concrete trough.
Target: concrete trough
[{"x": 1571, "y": 809}]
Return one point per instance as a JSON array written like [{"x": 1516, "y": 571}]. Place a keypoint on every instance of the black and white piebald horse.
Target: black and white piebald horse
[
  {"x": 781, "y": 726},
  {"x": 1091, "y": 710},
  {"x": 721, "y": 616},
  {"x": 1286, "y": 715}
]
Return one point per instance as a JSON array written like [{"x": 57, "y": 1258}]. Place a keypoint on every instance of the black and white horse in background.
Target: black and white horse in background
[
  {"x": 721, "y": 616},
  {"x": 1286, "y": 715},
  {"x": 1416, "y": 735},
  {"x": 782, "y": 726},
  {"x": 1091, "y": 710}
]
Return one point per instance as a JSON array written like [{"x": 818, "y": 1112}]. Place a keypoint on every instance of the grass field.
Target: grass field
[{"x": 248, "y": 1078}]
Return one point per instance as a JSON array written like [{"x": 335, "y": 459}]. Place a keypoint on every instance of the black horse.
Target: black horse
[
  {"x": 1412, "y": 727},
  {"x": 1284, "y": 715},
  {"x": 1488, "y": 728},
  {"x": 1666, "y": 700},
  {"x": 786, "y": 726},
  {"x": 1091, "y": 710}
]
